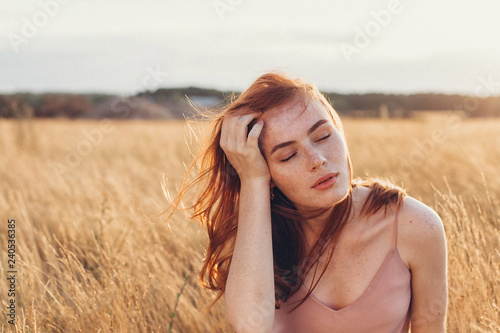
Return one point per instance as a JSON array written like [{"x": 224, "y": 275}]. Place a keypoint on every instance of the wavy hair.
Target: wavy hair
[{"x": 216, "y": 188}]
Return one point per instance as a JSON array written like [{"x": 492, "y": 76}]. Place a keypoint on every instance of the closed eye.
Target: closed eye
[
  {"x": 323, "y": 138},
  {"x": 288, "y": 158}
]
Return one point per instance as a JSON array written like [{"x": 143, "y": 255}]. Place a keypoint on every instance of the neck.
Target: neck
[
  {"x": 317, "y": 223},
  {"x": 314, "y": 226}
]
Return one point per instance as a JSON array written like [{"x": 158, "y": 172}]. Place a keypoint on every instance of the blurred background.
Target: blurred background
[
  {"x": 74, "y": 58},
  {"x": 417, "y": 84}
]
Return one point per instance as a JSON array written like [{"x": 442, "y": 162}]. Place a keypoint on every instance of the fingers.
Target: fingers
[
  {"x": 234, "y": 129},
  {"x": 241, "y": 129},
  {"x": 243, "y": 151},
  {"x": 253, "y": 136}
]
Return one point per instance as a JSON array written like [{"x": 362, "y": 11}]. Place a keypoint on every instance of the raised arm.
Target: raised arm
[{"x": 249, "y": 294}]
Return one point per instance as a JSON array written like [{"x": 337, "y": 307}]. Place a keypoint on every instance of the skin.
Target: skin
[
  {"x": 295, "y": 168},
  {"x": 249, "y": 295},
  {"x": 365, "y": 241}
]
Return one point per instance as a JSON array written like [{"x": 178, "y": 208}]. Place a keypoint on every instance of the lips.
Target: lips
[{"x": 325, "y": 181}]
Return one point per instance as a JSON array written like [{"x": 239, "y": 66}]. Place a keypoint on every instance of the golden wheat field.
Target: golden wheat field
[{"x": 93, "y": 256}]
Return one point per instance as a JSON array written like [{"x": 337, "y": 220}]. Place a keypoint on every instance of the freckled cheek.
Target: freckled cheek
[
  {"x": 285, "y": 178},
  {"x": 339, "y": 157},
  {"x": 338, "y": 154}
]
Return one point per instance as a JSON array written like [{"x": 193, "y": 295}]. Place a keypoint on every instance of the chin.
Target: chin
[{"x": 337, "y": 196}]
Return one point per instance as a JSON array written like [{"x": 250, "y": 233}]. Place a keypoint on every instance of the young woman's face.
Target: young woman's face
[{"x": 306, "y": 155}]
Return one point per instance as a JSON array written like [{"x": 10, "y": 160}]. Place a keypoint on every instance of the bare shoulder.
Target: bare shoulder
[
  {"x": 420, "y": 232},
  {"x": 418, "y": 217},
  {"x": 422, "y": 246}
]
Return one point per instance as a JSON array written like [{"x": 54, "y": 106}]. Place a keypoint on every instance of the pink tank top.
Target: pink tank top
[{"x": 382, "y": 308}]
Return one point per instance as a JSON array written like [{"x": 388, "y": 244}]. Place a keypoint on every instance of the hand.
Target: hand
[{"x": 243, "y": 152}]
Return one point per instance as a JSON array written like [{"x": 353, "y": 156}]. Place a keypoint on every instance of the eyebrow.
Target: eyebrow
[{"x": 311, "y": 130}]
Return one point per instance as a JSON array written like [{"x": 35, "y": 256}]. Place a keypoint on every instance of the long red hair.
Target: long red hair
[{"x": 216, "y": 189}]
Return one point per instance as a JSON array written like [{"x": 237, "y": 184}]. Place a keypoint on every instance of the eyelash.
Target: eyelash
[
  {"x": 323, "y": 138},
  {"x": 288, "y": 158}
]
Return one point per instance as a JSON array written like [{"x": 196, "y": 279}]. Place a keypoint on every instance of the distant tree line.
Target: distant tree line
[
  {"x": 78, "y": 105},
  {"x": 47, "y": 105},
  {"x": 397, "y": 104},
  {"x": 403, "y": 104}
]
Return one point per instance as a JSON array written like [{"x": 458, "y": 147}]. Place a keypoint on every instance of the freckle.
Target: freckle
[{"x": 411, "y": 221}]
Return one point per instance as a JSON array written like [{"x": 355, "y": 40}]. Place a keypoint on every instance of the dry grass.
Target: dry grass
[{"x": 92, "y": 258}]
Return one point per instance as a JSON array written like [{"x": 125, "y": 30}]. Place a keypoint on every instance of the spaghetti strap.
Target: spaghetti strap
[
  {"x": 382, "y": 308},
  {"x": 395, "y": 233}
]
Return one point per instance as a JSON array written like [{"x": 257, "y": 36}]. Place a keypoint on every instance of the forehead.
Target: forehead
[{"x": 287, "y": 122}]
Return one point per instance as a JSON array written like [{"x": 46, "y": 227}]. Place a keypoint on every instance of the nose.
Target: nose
[{"x": 316, "y": 159}]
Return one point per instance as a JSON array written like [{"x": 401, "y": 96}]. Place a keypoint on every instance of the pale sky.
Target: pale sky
[{"x": 344, "y": 46}]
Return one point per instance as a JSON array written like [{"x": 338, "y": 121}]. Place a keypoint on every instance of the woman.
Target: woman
[{"x": 295, "y": 244}]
